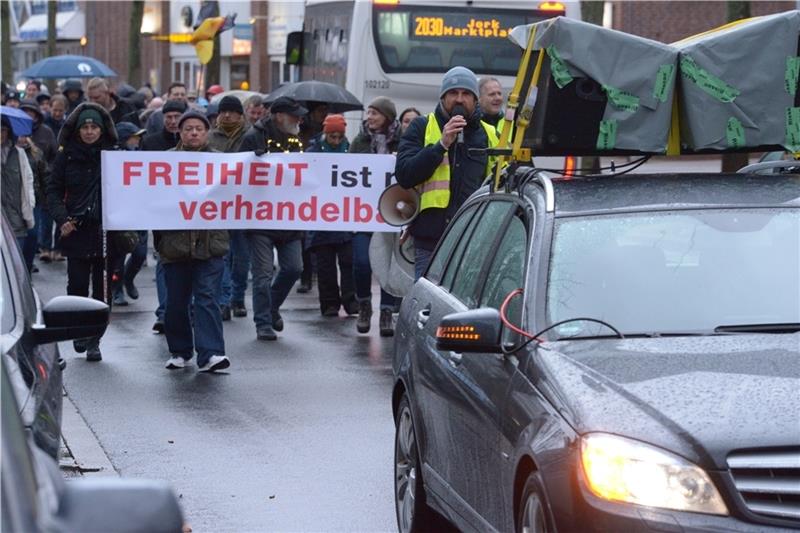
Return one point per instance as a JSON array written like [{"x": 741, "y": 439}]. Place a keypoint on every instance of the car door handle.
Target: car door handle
[
  {"x": 455, "y": 358},
  {"x": 423, "y": 316}
]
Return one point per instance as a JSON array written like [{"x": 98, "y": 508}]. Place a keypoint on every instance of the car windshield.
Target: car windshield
[{"x": 675, "y": 272}]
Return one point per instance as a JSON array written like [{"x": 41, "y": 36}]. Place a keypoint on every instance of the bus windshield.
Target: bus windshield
[{"x": 435, "y": 39}]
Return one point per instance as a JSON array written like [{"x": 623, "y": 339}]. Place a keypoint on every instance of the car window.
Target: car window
[
  {"x": 8, "y": 320},
  {"x": 508, "y": 268},
  {"x": 453, "y": 236},
  {"x": 478, "y": 248},
  {"x": 686, "y": 271}
]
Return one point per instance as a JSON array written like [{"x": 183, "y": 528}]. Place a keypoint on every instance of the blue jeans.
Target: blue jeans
[
  {"x": 362, "y": 271},
  {"x": 237, "y": 266},
  {"x": 161, "y": 290},
  {"x": 269, "y": 294},
  {"x": 198, "y": 280},
  {"x": 422, "y": 258},
  {"x": 137, "y": 258}
]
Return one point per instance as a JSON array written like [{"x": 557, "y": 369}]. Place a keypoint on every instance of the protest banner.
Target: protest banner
[{"x": 203, "y": 190}]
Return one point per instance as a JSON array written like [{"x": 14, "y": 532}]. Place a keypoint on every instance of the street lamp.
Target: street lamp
[{"x": 84, "y": 41}]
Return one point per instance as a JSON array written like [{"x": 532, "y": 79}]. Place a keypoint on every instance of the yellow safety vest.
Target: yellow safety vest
[{"x": 435, "y": 191}]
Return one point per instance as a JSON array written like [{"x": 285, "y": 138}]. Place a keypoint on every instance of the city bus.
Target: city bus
[{"x": 401, "y": 48}]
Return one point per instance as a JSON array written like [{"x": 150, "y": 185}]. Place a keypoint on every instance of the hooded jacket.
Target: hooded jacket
[
  {"x": 417, "y": 162},
  {"x": 73, "y": 192},
  {"x": 265, "y": 137},
  {"x": 124, "y": 111}
]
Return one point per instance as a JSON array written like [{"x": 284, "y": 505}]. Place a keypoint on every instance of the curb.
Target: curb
[{"x": 84, "y": 456}]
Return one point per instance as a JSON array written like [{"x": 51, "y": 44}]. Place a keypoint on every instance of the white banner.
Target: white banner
[{"x": 201, "y": 190}]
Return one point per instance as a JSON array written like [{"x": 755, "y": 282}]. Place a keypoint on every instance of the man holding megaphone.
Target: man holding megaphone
[{"x": 433, "y": 158}]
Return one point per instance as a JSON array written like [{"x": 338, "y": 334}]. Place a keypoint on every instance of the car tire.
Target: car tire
[
  {"x": 533, "y": 515},
  {"x": 413, "y": 513}
]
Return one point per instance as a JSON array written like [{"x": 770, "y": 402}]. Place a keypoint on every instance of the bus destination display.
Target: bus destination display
[{"x": 455, "y": 26}]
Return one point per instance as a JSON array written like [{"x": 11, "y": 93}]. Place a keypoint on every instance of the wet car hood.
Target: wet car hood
[{"x": 697, "y": 396}]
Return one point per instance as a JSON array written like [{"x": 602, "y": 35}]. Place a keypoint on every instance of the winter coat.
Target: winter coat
[
  {"x": 45, "y": 140},
  {"x": 323, "y": 238},
  {"x": 175, "y": 246},
  {"x": 73, "y": 192},
  {"x": 160, "y": 141},
  {"x": 53, "y": 124},
  {"x": 17, "y": 189},
  {"x": 219, "y": 140},
  {"x": 417, "y": 162},
  {"x": 124, "y": 111},
  {"x": 265, "y": 137}
]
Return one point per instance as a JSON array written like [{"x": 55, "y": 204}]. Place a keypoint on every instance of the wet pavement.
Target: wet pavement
[{"x": 297, "y": 436}]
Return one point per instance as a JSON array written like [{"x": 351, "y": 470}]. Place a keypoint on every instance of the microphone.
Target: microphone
[{"x": 458, "y": 110}]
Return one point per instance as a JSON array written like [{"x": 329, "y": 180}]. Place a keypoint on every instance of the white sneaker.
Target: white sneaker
[
  {"x": 215, "y": 362},
  {"x": 175, "y": 362}
]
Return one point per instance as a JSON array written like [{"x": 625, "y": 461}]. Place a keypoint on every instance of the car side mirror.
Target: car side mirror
[
  {"x": 476, "y": 330},
  {"x": 122, "y": 505},
  {"x": 67, "y": 318}
]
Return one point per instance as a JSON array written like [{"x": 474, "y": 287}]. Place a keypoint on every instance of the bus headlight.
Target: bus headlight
[{"x": 624, "y": 470}]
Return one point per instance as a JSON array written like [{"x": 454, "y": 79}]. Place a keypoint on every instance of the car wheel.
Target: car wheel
[
  {"x": 413, "y": 513},
  {"x": 532, "y": 514}
]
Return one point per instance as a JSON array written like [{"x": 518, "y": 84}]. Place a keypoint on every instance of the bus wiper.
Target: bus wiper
[{"x": 759, "y": 328}]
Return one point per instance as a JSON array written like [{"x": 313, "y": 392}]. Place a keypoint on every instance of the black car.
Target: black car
[
  {"x": 28, "y": 334},
  {"x": 606, "y": 354}
]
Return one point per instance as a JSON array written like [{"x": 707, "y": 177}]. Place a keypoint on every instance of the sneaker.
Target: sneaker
[
  {"x": 119, "y": 298},
  {"x": 351, "y": 308},
  {"x": 266, "y": 333},
  {"x": 80, "y": 345},
  {"x": 331, "y": 310},
  {"x": 305, "y": 286},
  {"x": 385, "y": 323},
  {"x": 131, "y": 289},
  {"x": 277, "y": 321},
  {"x": 364, "y": 316},
  {"x": 158, "y": 326},
  {"x": 175, "y": 362},
  {"x": 93, "y": 354},
  {"x": 214, "y": 363},
  {"x": 239, "y": 310},
  {"x": 225, "y": 311}
]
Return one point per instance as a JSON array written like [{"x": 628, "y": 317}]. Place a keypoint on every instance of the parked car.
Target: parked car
[
  {"x": 606, "y": 354},
  {"x": 29, "y": 333},
  {"x": 35, "y": 497}
]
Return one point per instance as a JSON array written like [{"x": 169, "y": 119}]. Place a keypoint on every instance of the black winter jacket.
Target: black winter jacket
[
  {"x": 160, "y": 141},
  {"x": 73, "y": 191},
  {"x": 417, "y": 162},
  {"x": 124, "y": 111},
  {"x": 265, "y": 137}
]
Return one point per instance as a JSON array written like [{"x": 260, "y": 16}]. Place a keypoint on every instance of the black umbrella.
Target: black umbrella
[{"x": 337, "y": 98}]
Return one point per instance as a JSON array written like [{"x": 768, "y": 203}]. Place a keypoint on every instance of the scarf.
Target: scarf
[
  {"x": 233, "y": 131},
  {"x": 379, "y": 142}
]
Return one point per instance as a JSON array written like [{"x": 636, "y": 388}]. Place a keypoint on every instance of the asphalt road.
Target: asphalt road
[{"x": 297, "y": 436}]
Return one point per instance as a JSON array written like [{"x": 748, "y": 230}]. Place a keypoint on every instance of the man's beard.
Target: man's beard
[{"x": 288, "y": 127}]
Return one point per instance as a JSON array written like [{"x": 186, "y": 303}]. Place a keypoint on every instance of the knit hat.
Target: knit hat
[
  {"x": 212, "y": 110},
  {"x": 334, "y": 124},
  {"x": 31, "y": 105},
  {"x": 385, "y": 107},
  {"x": 193, "y": 113},
  {"x": 12, "y": 95},
  {"x": 90, "y": 116},
  {"x": 72, "y": 85},
  {"x": 231, "y": 103},
  {"x": 459, "y": 78},
  {"x": 173, "y": 106}
]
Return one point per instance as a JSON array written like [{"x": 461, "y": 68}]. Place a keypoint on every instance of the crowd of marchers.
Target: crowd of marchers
[{"x": 51, "y": 197}]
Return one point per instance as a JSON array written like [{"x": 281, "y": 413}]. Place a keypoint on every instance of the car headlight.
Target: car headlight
[{"x": 624, "y": 470}]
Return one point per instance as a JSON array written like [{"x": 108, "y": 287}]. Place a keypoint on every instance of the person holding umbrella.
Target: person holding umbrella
[
  {"x": 74, "y": 199},
  {"x": 17, "y": 188}
]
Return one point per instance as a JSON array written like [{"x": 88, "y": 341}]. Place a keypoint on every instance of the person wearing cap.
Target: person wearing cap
[
  {"x": 99, "y": 92},
  {"x": 176, "y": 91},
  {"x": 74, "y": 198},
  {"x": 193, "y": 265},
  {"x": 42, "y": 135},
  {"x": 130, "y": 136},
  {"x": 43, "y": 99},
  {"x": 380, "y": 134},
  {"x": 331, "y": 247},
  {"x": 226, "y": 137},
  {"x": 214, "y": 90},
  {"x": 11, "y": 98},
  {"x": 276, "y": 133},
  {"x": 434, "y": 158},
  {"x": 73, "y": 90}
]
